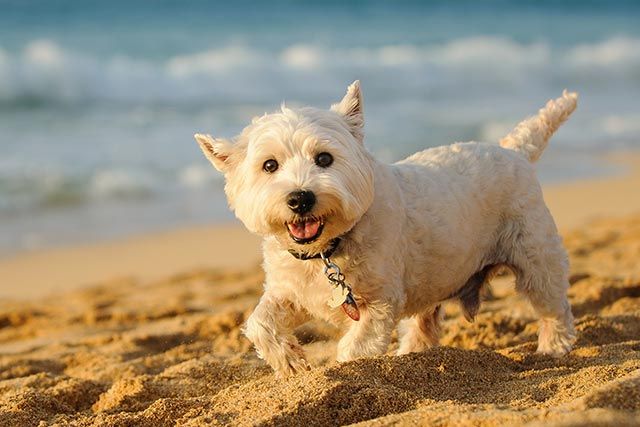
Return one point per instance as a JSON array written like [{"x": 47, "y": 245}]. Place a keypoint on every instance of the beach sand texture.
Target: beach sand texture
[{"x": 171, "y": 352}]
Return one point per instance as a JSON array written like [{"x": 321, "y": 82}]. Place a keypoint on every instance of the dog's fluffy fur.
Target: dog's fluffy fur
[{"x": 414, "y": 233}]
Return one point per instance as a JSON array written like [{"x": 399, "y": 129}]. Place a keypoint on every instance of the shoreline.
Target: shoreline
[
  {"x": 156, "y": 255},
  {"x": 576, "y": 203},
  {"x": 141, "y": 257}
]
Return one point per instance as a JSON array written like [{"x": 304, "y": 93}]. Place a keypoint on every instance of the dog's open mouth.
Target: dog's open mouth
[{"x": 305, "y": 230}]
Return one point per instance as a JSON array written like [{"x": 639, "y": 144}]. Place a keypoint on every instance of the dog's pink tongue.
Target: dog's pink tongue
[{"x": 304, "y": 230}]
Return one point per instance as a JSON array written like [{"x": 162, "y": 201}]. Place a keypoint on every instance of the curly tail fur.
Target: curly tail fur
[{"x": 530, "y": 137}]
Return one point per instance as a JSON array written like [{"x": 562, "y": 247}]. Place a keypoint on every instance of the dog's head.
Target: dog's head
[{"x": 302, "y": 176}]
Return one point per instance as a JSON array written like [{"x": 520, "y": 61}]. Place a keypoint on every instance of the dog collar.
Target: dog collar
[{"x": 303, "y": 256}]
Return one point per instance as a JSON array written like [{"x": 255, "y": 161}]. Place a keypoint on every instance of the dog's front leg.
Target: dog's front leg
[
  {"x": 370, "y": 335},
  {"x": 269, "y": 328}
]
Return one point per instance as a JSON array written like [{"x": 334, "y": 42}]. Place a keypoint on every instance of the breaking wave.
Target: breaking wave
[
  {"x": 44, "y": 71},
  {"x": 44, "y": 189},
  {"x": 87, "y": 131}
]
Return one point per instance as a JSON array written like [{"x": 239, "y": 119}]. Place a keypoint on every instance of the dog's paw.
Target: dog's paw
[
  {"x": 406, "y": 349},
  {"x": 415, "y": 344},
  {"x": 554, "y": 338},
  {"x": 348, "y": 351},
  {"x": 555, "y": 349},
  {"x": 294, "y": 361}
]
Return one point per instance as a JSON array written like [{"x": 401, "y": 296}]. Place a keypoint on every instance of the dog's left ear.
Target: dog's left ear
[
  {"x": 216, "y": 150},
  {"x": 351, "y": 109}
]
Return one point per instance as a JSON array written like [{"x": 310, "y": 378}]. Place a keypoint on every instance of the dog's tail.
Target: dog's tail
[{"x": 530, "y": 137}]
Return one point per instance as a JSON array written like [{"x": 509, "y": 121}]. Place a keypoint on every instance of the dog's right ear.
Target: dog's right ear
[{"x": 216, "y": 150}]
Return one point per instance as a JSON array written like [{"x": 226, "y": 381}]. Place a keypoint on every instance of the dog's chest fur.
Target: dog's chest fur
[{"x": 302, "y": 282}]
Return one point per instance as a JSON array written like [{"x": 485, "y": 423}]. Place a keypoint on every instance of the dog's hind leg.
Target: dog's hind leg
[
  {"x": 420, "y": 332},
  {"x": 542, "y": 268}
]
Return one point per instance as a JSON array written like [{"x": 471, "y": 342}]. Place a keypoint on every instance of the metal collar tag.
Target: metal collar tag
[{"x": 341, "y": 295}]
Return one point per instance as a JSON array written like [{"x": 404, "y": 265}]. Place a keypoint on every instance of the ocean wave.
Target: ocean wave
[
  {"x": 48, "y": 188},
  {"x": 621, "y": 126},
  {"x": 44, "y": 71},
  {"x": 615, "y": 53},
  {"x": 474, "y": 52},
  {"x": 118, "y": 183},
  {"x": 198, "y": 175}
]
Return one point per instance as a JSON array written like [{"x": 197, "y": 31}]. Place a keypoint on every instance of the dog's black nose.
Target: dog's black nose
[{"x": 301, "y": 201}]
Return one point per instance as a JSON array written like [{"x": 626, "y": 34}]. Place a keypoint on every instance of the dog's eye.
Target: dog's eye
[
  {"x": 324, "y": 160},
  {"x": 270, "y": 166}
]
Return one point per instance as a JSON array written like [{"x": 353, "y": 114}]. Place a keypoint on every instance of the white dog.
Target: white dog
[{"x": 405, "y": 236}]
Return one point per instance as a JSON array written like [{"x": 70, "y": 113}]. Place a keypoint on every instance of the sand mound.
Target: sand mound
[{"x": 171, "y": 353}]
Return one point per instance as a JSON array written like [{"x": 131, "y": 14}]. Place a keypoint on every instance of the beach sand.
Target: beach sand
[{"x": 147, "y": 331}]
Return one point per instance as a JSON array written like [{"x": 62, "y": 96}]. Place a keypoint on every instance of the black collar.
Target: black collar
[{"x": 333, "y": 245}]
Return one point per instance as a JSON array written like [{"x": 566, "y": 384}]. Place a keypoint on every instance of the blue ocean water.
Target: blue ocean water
[{"x": 99, "y": 100}]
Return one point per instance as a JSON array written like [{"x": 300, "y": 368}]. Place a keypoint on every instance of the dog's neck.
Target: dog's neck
[
  {"x": 360, "y": 235},
  {"x": 333, "y": 245}
]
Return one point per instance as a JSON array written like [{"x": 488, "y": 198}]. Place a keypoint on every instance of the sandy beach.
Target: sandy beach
[{"x": 146, "y": 331}]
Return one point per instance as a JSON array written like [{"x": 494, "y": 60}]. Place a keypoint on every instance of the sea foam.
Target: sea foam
[{"x": 46, "y": 71}]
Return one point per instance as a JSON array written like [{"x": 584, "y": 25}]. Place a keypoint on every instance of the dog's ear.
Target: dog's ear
[
  {"x": 216, "y": 150},
  {"x": 351, "y": 109}
]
